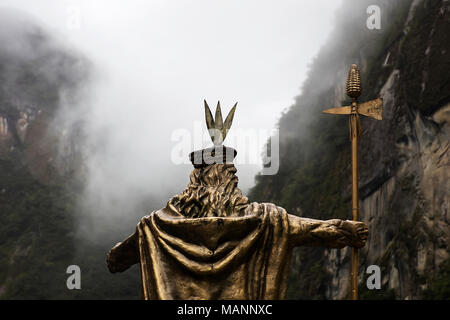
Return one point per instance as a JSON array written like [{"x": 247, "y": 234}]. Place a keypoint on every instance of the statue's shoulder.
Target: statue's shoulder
[
  {"x": 165, "y": 213},
  {"x": 147, "y": 217}
]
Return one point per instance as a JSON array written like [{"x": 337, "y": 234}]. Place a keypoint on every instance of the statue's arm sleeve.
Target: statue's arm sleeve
[
  {"x": 124, "y": 254},
  {"x": 333, "y": 233}
]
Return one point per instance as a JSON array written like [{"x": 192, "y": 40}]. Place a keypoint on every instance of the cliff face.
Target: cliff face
[
  {"x": 404, "y": 159},
  {"x": 38, "y": 78},
  {"x": 42, "y": 85}
]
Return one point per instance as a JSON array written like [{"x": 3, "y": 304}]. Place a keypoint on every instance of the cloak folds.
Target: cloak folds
[{"x": 240, "y": 257}]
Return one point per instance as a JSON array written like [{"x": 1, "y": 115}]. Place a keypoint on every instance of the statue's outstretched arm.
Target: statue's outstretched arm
[
  {"x": 124, "y": 254},
  {"x": 334, "y": 233}
]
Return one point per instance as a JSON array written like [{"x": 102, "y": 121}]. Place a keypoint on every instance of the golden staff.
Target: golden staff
[{"x": 371, "y": 109}]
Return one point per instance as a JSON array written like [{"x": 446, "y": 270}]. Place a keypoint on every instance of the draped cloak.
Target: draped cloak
[{"x": 235, "y": 257}]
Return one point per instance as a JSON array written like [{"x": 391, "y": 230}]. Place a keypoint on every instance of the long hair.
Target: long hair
[{"x": 212, "y": 192}]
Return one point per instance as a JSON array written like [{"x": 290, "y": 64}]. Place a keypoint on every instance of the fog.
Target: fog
[{"x": 153, "y": 64}]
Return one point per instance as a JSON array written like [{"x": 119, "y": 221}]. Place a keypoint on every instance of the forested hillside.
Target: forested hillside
[
  {"x": 404, "y": 159},
  {"x": 41, "y": 170}
]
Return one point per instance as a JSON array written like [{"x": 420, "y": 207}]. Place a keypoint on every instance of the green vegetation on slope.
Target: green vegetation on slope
[
  {"x": 36, "y": 230},
  {"x": 314, "y": 175}
]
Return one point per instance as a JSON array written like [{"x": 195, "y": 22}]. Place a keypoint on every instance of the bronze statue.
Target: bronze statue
[{"x": 210, "y": 242}]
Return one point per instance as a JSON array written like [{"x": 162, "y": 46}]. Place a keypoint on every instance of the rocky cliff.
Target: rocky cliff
[
  {"x": 43, "y": 84},
  {"x": 404, "y": 159},
  {"x": 38, "y": 79}
]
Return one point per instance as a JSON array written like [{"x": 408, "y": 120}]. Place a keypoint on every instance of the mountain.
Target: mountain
[
  {"x": 41, "y": 169},
  {"x": 404, "y": 159}
]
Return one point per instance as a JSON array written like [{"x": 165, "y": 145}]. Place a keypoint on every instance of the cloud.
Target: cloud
[{"x": 154, "y": 63}]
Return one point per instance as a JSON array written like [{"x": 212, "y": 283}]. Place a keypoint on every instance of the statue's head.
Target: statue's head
[{"x": 212, "y": 190}]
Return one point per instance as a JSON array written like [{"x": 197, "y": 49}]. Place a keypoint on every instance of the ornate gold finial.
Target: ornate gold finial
[
  {"x": 354, "y": 82},
  {"x": 216, "y": 127}
]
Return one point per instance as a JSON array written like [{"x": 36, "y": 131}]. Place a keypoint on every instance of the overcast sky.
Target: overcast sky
[{"x": 155, "y": 62}]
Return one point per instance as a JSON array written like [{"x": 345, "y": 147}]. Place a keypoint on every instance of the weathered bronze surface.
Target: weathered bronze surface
[
  {"x": 210, "y": 242},
  {"x": 373, "y": 109}
]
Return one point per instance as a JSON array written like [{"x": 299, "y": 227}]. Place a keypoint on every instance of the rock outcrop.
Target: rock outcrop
[{"x": 404, "y": 159}]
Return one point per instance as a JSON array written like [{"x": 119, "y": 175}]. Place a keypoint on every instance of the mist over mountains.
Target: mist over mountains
[
  {"x": 44, "y": 88},
  {"x": 73, "y": 180}
]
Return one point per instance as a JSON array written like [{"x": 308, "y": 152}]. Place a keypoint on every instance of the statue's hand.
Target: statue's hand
[{"x": 358, "y": 233}]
